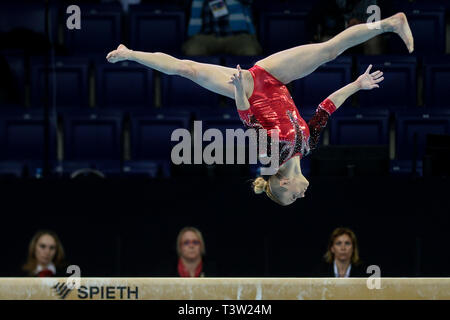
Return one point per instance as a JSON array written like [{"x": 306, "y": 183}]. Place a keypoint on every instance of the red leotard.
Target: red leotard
[{"x": 272, "y": 107}]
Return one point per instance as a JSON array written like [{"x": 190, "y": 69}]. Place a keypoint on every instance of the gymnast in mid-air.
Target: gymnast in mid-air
[{"x": 263, "y": 101}]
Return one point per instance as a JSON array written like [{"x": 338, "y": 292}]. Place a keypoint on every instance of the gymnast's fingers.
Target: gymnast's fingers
[
  {"x": 368, "y": 68},
  {"x": 376, "y": 73},
  {"x": 378, "y": 80}
]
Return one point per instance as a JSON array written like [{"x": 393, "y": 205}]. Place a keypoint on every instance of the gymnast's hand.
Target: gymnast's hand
[
  {"x": 120, "y": 54},
  {"x": 236, "y": 80},
  {"x": 368, "y": 81}
]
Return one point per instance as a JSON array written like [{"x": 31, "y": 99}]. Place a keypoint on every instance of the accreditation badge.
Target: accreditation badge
[{"x": 218, "y": 8}]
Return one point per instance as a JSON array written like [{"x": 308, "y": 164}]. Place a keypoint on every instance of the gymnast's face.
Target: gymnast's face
[
  {"x": 342, "y": 248},
  {"x": 190, "y": 246},
  {"x": 45, "y": 250},
  {"x": 290, "y": 189}
]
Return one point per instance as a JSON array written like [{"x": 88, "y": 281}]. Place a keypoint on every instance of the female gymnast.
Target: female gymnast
[{"x": 263, "y": 100}]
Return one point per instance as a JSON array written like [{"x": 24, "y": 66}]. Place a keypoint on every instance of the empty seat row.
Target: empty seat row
[
  {"x": 372, "y": 127},
  {"x": 153, "y": 28},
  {"x": 92, "y": 138},
  {"x": 101, "y": 25},
  {"x": 99, "y": 136},
  {"x": 128, "y": 83}
]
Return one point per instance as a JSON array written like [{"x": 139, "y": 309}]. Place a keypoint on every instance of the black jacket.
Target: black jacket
[
  {"x": 327, "y": 270},
  {"x": 171, "y": 270},
  {"x": 60, "y": 273}
]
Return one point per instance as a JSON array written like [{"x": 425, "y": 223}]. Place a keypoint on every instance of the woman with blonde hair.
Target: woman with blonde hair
[
  {"x": 191, "y": 261},
  {"x": 263, "y": 100},
  {"x": 45, "y": 255},
  {"x": 191, "y": 255}
]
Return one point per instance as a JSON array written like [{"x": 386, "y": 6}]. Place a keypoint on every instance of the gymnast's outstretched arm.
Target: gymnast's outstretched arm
[
  {"x": 212, "y": 77},
  {"x": 366, "y": 81},
  {"x": 317, "y": 123}
]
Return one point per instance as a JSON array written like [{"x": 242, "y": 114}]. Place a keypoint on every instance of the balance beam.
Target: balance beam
[{"x": 226, "y": 289}]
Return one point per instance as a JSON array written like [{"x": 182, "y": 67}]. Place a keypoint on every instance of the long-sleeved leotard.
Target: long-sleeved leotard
[{"x": 272, "y": 107}]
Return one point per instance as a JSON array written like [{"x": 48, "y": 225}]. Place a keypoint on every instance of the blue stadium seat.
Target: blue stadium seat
[
  {"x": 179, "y": 91},
  {"x": 293, "y": 5},
  {"x": 101, "y": 29},
  {"x": 11, "y": 169},
  {"x": 68, "y": 82},
  {"x": 412, "y": 127},
  {"x": 436, "y": 81},
  {"x": 151, "y": 135},
  {"x": 420, "y": 5},
  {"x": 223, "y": 121},
  {"x": 156, "y": 29},
  {"x": 427, "y": 24},
  {"x": 92, "y": 135},
  {"x": 22, "y": 138},
  {"x": 398, "y": 88},
  {"x": 16, "y": 63},
  {"x": 149, "y": 168},
  {"x": 360, "y": 127},
  {"x": 183, "y": 112},
  {"x": 280, "y": 30},
  {"x": 99, "y": 167},
  {"x": 316, "y": 87},
  {"x": 151, "y": 144},
  {"x": 220, "y": 118},
  {"x": 123, "y": 84},
  {"x": 27, "y": 15}
]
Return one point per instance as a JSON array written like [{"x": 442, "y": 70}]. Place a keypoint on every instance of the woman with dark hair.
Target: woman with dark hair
[
  {"x": 45, "y": 255},
  {"x": 342, "y": 257},
  {"x": 263, "y": 100}
]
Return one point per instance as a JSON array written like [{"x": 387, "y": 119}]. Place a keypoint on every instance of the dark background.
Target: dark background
[
  {"x": 126, "y": 224},
  {"x": 127, "y": 228}
]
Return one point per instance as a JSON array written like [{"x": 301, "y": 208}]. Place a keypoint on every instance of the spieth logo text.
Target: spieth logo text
[{"x": 98, "y": 292}]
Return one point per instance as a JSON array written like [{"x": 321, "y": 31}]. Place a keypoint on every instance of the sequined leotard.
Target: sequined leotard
[{"x": 272, "y": 107}]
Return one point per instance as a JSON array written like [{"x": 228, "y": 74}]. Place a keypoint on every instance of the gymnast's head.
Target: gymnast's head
[{"x": 283, "y": 190}]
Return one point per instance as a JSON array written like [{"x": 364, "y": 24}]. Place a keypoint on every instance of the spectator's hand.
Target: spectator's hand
[
  {"x": 368, "y": 81},
  {"x": 236, "y": 79},
  {"x": 120, "y": 54}
]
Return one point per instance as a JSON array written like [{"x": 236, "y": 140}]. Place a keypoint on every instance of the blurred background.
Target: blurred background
[{"x": 85, "y": 145}]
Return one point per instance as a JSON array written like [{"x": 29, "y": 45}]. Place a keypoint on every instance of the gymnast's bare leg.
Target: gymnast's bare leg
[
  {"x": 298, "y": 62},
  {"x": 212, "y": 77},
  {"x": 286, "y": 65}
]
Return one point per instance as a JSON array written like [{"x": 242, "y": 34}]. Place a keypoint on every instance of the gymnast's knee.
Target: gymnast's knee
[
  {"x": 187, "y": 69},
  {"x": 330, "y": 50}
]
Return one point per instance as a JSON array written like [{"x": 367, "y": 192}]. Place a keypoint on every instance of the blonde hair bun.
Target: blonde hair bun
[{"x": 259, "y": 185}]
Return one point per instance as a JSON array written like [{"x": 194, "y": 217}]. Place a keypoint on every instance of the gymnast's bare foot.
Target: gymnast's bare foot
[
  {"x": 120, "y": 54},
  {"x": 398, "y": 23}
]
